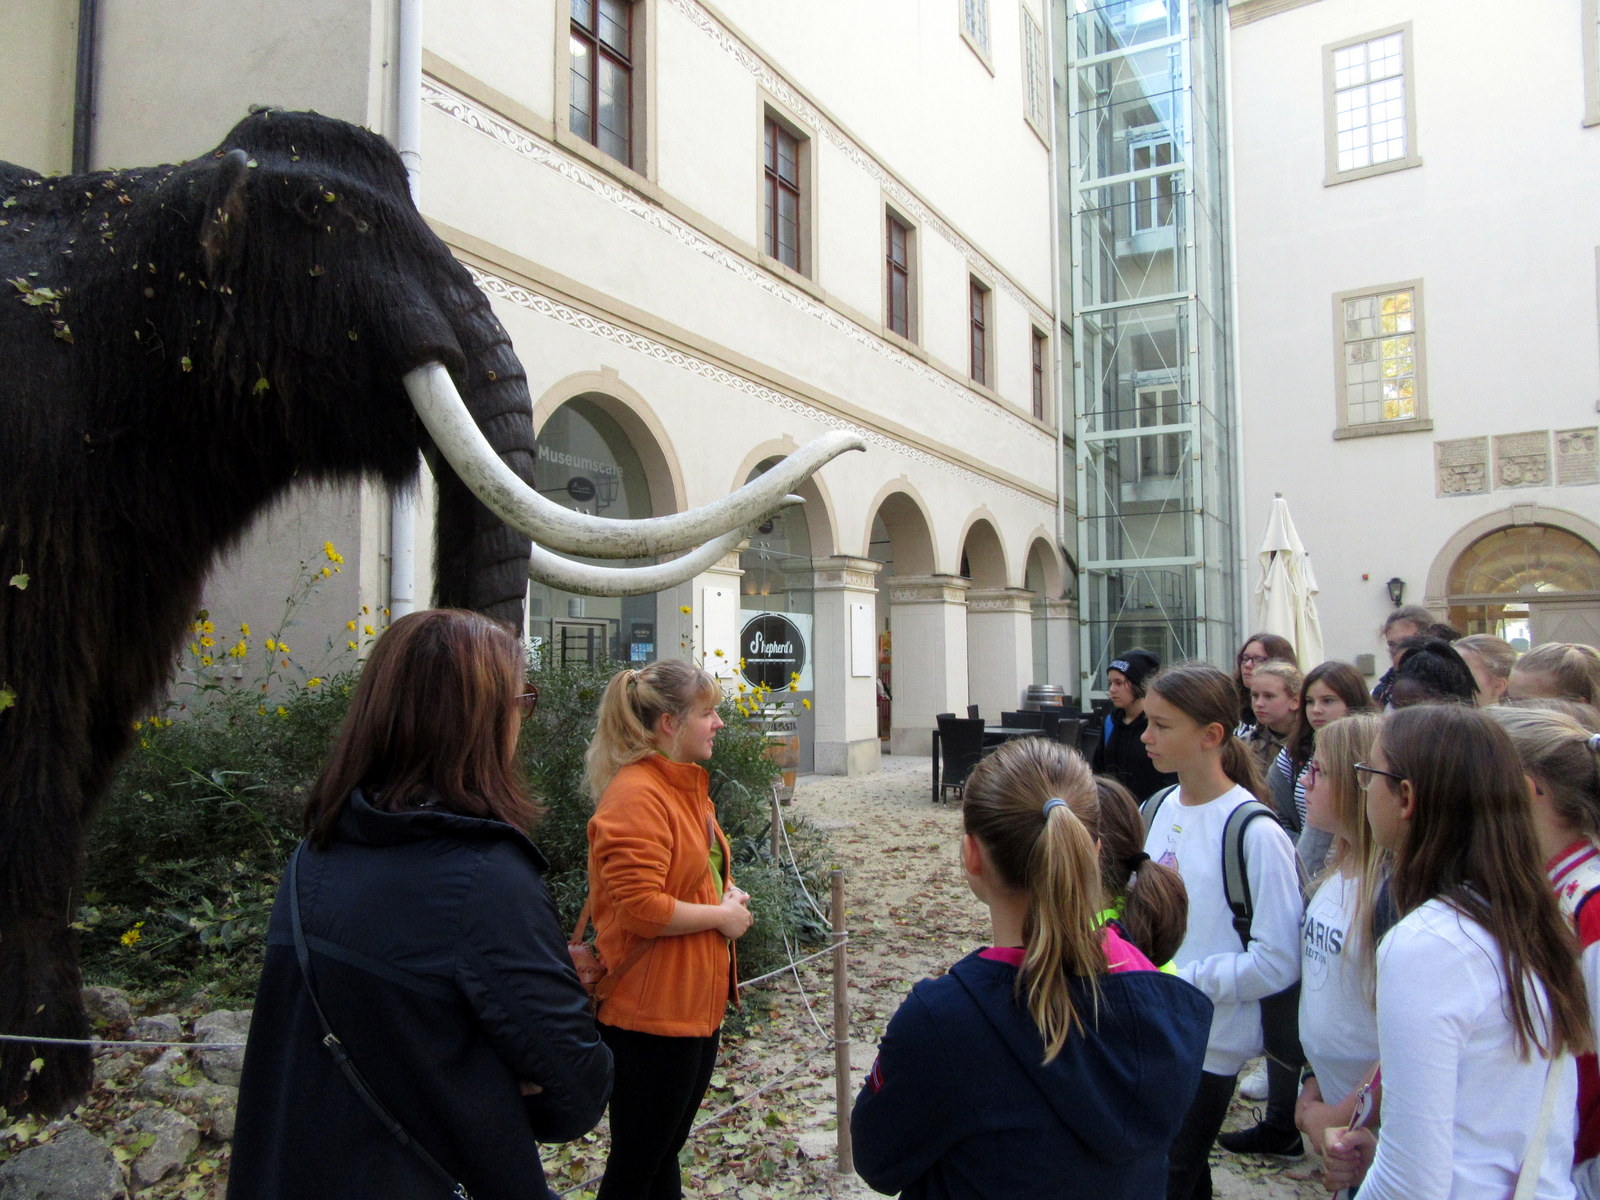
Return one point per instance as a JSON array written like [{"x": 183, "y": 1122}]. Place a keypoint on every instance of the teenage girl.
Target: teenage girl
[
  {"x": 1338, "y": 1031},
  {"x": 1257, "y": 649},
  {"x": 1275, "y": 698},
  {"x": 1332, "y": 690},
  {"x": 1191, "y": 710},
  {"x": 1145, "y": 900},
  {"x": 1490, "y": 659},
  {"x": 1056, "y": 1062},
  {"x": 665, "y": 912},
  {"x": 1480, "y": 1002},
  {"x": 1559, "y": 671},
  {"x": 1561, "y": 763}
]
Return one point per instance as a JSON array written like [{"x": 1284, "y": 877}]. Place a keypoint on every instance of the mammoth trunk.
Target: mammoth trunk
[{"x": 480, "y": 562}]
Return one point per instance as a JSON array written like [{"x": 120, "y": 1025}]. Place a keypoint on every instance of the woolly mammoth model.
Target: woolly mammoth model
[{"x": 180, "y": 345}]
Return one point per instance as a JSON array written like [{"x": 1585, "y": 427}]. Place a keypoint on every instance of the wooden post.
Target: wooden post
[
  {"x": 841, "y": 1029},
  {"x": 777, "y": 832}
]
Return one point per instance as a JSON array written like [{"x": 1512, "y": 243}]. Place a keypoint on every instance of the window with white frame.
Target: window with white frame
[
  {"x": 1371, "y": 117},
  {"x": 975, "y": 26},
  {"x": 1380, "y": 358},
  {"x": 1150, "y": 147},
  {"x": 1035, "y": 76},
  {"x": 1158, "y": 453}
]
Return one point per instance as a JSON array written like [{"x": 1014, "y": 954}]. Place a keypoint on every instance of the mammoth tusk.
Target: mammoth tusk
[
  {"x": 463, "y": 445},
  {"x": 588, "y": 580}
]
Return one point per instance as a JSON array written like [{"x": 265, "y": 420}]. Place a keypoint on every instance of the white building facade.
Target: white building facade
[
  {"x": 1418, "y": 323},
  {"x": 713, "y": 233}
]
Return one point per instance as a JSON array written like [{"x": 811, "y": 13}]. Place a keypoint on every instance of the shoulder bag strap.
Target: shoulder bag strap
[
  {"x": 336, "y": 1047},
  {"x": 1533, "y": 1161}
]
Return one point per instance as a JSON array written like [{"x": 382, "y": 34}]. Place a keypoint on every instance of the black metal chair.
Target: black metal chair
[
  {"x": 1049, "y": 720},
  {"x": 972, "y": 711},
  {"x": 960, "y": 747},
  {"x": 1022, "y": 720},
  {"x": 1069, "y": 731}
]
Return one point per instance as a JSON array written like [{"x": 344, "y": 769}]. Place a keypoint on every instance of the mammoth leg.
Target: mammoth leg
[{"x": 40, "y": 955}]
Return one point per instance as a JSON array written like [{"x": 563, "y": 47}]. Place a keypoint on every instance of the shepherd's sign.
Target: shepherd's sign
[{"x": 774, "y": 649}]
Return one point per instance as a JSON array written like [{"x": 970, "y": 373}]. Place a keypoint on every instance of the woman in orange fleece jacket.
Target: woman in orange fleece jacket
[{"x": 665, "y": 912}]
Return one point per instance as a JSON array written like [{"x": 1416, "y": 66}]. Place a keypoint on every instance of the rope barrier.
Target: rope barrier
[
  {"x": 102, "y": 1044},
  {"x": 833, "y": 940}
]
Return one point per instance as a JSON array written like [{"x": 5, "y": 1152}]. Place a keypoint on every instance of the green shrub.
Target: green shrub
[{"x": 185, "y": 856}]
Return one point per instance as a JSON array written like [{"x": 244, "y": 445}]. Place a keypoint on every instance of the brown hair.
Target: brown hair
[
  {"x": 1276, "y": 648},
  {"x": 1051, "y": 856},
  {"x": 1345, "y": 682},
  {"x": 1153, "y": 901},
  {"x": 1206, "y": 696},
  {"x": 1572, "y": 666},
  {"x": 432, "y": 721},
  {"x": 1470, "y": 843},
  {"x": 630, "y": 708},
  {"x": 1564, "y": 759}
]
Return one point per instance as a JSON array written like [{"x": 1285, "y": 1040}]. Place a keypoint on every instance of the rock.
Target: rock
[
  {"x": 110, "y": 1068},
  {"x": 168, "y": 1137},
  {"x": 218, "y": 1109},
  {"x": 160, "y": 1027},
  {"x": 106, "y": 1006},
  {"x": 75, "y": 1165},
  {"x": 223, "y": 1066}
]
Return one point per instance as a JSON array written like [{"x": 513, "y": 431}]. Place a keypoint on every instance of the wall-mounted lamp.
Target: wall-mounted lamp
[{"x": 1397, "y": 591}]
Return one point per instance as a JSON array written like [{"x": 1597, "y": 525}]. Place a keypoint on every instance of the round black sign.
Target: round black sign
[
  {"x": 581, "y": 489},
  {"x": 773, "y": 651}
]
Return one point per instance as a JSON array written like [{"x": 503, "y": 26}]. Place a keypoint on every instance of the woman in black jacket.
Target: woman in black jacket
[{"x": 433, "y": 949}]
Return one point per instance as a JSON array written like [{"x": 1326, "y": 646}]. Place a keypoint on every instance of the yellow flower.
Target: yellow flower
[
  {"x": 205, "y": 660},
  {"x": 261, "y": 710},
  {"x": 133, "y": 935},
  {"x": 272, "y": 645},
  {"x": 138, "y": 725},
  {"x": 282, "y": 711},
  {"x": 194, "y": 647},
  {"x": 350, "y": 645},
  {"x": 245, "y": 629},
  {"x": 741, "y": 689},
  {"x": 333, "y": 555},
  {"x": 367, "y": 629},
  {"x": 685, "y": 609},
  {"x": 350, "y": 625},
  {"x": 365, "y": 609},
  {"x": 806, "y": 704},
  {"x": 208, "y": 642},
  {"x": 794, "y": 676},
  {"x": 283, "y": 647},
  {"x": 314, "y": 681},
  {"x": 238, "y": 650},
  {"x": 718, "y": 653},
  {"x": 741, "y": 664},
  {"x": 207, "y": 627},
  {"x": 325, "y": 572}
]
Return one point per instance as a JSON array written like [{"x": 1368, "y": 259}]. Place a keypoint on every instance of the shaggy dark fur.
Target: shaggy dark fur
[{"x": 178, "y": 347}]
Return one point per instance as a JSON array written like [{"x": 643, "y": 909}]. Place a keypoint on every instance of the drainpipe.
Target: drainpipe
[
  {"x": 1240, "y": 521},
  {"x": 408, "y": 140},
  {"x": 1063, "y": 309},
  {"x": 83, "y": 100}
]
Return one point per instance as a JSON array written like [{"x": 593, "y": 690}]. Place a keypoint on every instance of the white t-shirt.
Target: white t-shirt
[
  {"x": 1189, "y": 839},
  {"x": 1338, "y": 1028},
  {"x": 1459, "y": 1106}
]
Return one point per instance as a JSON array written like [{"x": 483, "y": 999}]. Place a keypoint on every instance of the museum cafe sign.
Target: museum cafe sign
[{"x": 773, "y": 647}]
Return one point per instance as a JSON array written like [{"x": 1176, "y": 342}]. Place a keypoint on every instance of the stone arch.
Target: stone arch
[
  {"x": 909, "y": 528},
  {"x": 1438, "y": 587},
  {"x": 818, "y": 512},
  {"x": 629, "y": 409},
  {"x": 982, "y": 556},
  {"x": 1044, "y": 570}
]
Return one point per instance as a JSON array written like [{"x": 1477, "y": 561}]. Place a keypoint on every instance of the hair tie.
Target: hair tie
[
  {"x": 633, "y": 676},
  {"x": 1053, "y": 802},
  {"x": 1136, "y": 860},
  {"x": 1594, "y": 742}
]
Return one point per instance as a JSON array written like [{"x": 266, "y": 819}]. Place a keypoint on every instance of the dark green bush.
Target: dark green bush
[{"x": 185, "y": 857}]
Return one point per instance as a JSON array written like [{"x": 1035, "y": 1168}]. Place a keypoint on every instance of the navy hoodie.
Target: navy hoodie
[{"x": 961, "y": 1105}]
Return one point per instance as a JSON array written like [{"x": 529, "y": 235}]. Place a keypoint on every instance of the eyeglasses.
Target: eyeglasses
[
  {"x": 1365, "y": 773},
  {"x": 1255, "y": 660},
  {"x": 528, "y": 701},
  {"x": 1313, "y": 770}
]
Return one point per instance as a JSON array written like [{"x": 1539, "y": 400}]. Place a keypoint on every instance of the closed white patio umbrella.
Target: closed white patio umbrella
[{"x": 1286, "y": 596}]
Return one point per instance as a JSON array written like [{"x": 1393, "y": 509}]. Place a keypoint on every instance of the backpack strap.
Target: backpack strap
[
  {"x": 1150, "y": 805},
  {"x": 1235, "y": 880},
  {"x": 1110, "y": 728}
]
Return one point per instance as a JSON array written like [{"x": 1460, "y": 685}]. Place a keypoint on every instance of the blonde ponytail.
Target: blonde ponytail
[
  {"x": 631, "y": 708},
  {"x": 1033, "y": 806}
]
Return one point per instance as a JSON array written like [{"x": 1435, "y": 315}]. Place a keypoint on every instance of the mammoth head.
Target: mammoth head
[{"x": 284, "y": 292}]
